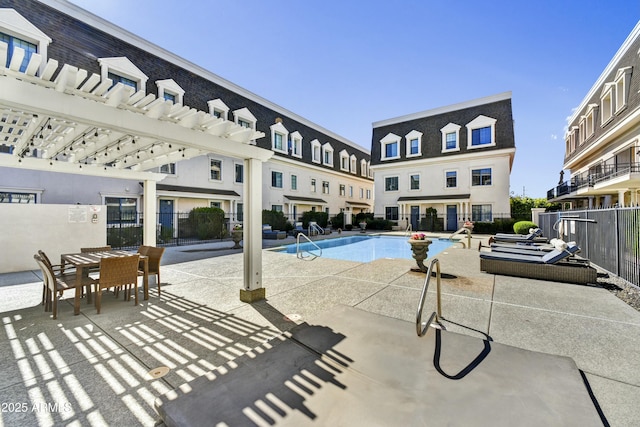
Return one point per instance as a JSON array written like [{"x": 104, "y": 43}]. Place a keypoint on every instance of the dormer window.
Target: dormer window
[
  {"x": 606, "y": 104},
  {"x": 169, "y": 90},
  {"x": 414, "y": 143},
  {"x": 344, "y": 160},
  {"x": 21, "y": 35},
  {"x": 622, "y": 87},
  {"x": 390, "y": 147},
  {"x": 244, "y": 118},
  {"x": 590, "y": 121},
  {"x": 450, "y": 137},
  {"x": 122, "y": 70},
  {"x": 296, "y": 144},
  {"x": 327, "y": 154},
  {"x": 279, "y": 138},
  {"x": 218, "y": 109},
  {"x": 481, "y": 132},
  {"x": 316, "y": 151},
  {"x": 363, "y": 167},
  {"x": 353, "y": 163}
]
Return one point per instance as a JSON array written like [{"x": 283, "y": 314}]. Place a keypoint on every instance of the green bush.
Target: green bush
[
  {"x": 276, "y": 220},
  {"x": 522, "y": 227},
  {"x": 320, "y": 217},
  {"x": 208, "y": 223},
  {"x": 499, "y": 225}
]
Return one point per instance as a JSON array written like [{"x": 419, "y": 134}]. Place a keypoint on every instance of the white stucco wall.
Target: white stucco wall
[{"x": 55, "y": 229}]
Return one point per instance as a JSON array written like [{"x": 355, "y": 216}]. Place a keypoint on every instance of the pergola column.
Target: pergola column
[
  {"x": 252, "y": 235},
  {"x": 150, "y": 214},
  {"x": 621, "y": 197}
]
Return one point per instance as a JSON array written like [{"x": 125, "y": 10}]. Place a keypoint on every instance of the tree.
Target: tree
[{"x": 521, "y": 206}]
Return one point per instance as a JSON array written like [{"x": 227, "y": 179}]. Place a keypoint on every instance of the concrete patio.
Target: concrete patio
[{"x": 98, "y": 369}]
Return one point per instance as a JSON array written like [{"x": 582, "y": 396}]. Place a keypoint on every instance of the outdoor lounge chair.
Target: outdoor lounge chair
[
  {"x": 268, "y": 233},
  {"x": 299, "y": 229},
  {"x": 552, "y": 266},
  {"x": 535, "y": 235},
  {"x": 531, "y": 249}
]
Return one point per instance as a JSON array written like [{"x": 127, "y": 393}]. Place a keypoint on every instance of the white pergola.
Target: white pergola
[{"x": 80, "y": 124}]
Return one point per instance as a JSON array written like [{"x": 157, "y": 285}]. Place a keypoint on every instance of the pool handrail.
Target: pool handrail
[
  {"x": 408, "y": 230},
  {"x": 421, "y": 327},
  {"x": 313, "y": 226},
  {"x": 463, "y": 230},
  {"x": 300, "y": 252}
]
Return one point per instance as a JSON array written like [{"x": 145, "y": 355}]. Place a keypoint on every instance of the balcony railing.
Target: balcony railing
[
  {"x": 614, "y": 171},
  {"x": 587, "y": 179}
]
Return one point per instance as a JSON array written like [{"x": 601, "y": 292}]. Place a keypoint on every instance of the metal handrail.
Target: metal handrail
[
  {"x": 300, "y": 252},
  {"x": 408, "y": 230},
  {"x": 315, "y": 227},
  {"x": 421, "y": 328},
  {"x": 466, "y": 230}
]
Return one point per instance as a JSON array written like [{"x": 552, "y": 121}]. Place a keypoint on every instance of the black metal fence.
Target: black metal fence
[
  {"x": 125, "y": 229},
  {"x": 612, "y": 242}
]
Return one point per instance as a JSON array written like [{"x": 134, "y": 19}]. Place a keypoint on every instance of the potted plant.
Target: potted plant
[
  {"x": 236, "y": 235},
  {"x": 419, "y": 246}
]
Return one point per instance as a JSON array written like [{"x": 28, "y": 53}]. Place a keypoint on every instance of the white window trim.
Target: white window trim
[
  {"x": 175, "y": 169},
  {"x": 622, "y": 88},
  {"x": 327, "y": 149},
  {"x": 471, "y": 169},
  {"x": 340, "y": 188},
  {"x": 16, "y": 25},
  {"x": 450, "y": 128},
  {"x": 344, "y": 156},
  {"x": 384, "y": 183},
  {"x": 390, "y": 138},
  {"x": 397, "y": 211},
  {"x": 271, "y": 179},
  {"x": 363, "y": 167},
  {"x": 590, "y": 126},
  {"x": 353, "y": 164},
  {"x": 477, "y": 123},
  {"x": 221, "y": 170},
  {"x": 291, "y": 175},
  {"x": 123, "y": 67},
  {"x": 296, "y": 142},
  {"x": 234, "y": 173},
  {"x": 414, "y": 134},
  {"x": 171, "y": 87},
  {"x": 582, "y": 130},
  {"x": 278, "y": 128},
  {"x": 419, "y": 181},
  {"x": 245, "y": 115},
  {"x": 316, "y": 144},
  {"x": 218, "y": 105},
  {"x": 606, "y": 114},
  {"x": 369, "y": 171},
  {"x": 445, "y": 178}
]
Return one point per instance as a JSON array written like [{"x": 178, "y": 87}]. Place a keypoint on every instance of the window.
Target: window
[
  {"x": 239, "y": 173},
  {"x": 294, "y": 182},
  {"x": 19, "y": 33},
  {"x": 14, "y": 42},
  {"x": 450, "y": 137},
  {"x": 351, "y": 191},
  {"x": 296, "y": 144},
  {"x": 239, "y": 212},
  {"x": 216, "y": 170},
  {"x": 622, "y": 87},
  {"x": 481, "y": 213},
  {"x": 325, "y": 187},
  {"x": 414, "y": 143},
  {"x": 276, "y": 179},
  {"x": 391, "y": 183},
  {"x": 169, "y": 168},
  {"x": 589, "y": 120},
  {"x": 276, "y": 208},
  {"x": 170, "y": 91},
  {"x": 218, "y": 109},
  {"x": 121, "y": 210},
  {"x": 313, "y": 185},
  {"x": 343, "y": 190},
  {"x": 363, "y": 167},
  {"x": 327, "y": 154},
  {"x": 315, "y": 151},
  {"x": 606, "y": 104},
  {"x": 451, "y": 178},
  {"x": 354, "y": 164},
  {"x": 361, "y": 193},
  {"x": 481, "y": 176},
  {"x": 481, "y": 132},
  {"x": 122, "y": 70},
  {"x": 244, "y": 118},
  {"x": 279, "y": 138},
  {"x": 391, "y": 213},
  {"x": 581, "y": 131},
  {"x": 389, "y": 147},
  {"x": 12, "y": 197},
  {"x": 215, "y": 205},
  {"x": 344, "y": 160},
  {"x": 414, "y": 182},
  {"x": 368, "y": 194}
]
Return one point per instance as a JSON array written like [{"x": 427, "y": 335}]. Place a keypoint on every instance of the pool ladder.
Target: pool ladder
[
  {"x": 436, "y": 317},
  {"x": 306, "y": 254}
]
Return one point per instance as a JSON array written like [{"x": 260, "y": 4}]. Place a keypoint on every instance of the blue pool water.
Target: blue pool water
[{"x": 367, "y": 248}]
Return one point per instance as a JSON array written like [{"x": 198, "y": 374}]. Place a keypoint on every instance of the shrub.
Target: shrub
[
  {"x": 522, "y": 227},
  {"x": 320, "y": 217},
  {"x": 276, "y": 220},
  {"x": 208, "y": 223}
]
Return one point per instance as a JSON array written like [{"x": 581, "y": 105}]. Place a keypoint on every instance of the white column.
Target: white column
[
  {"x": 252, "y": 236},
  {"x": 621, "y": 198},
  {"x": 149, "y": 230}
]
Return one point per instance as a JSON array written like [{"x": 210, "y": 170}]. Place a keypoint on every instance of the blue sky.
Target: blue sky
[{"x": 346, "y": 64}]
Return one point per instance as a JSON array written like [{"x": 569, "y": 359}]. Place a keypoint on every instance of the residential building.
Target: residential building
[
  {"x": 455, "y": 159},
  {"x": 602, "y": 142},
  {"x": 311, "y": 168}
]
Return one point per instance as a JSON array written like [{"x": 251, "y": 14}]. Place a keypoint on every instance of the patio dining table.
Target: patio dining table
[{"x": 85, "y": 261}]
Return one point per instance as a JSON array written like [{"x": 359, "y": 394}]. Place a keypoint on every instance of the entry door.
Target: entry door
[
  {"x": 452, "y": 217},
  {"x": 415, "y": 217},
  {"x": 166, "y": 215}
]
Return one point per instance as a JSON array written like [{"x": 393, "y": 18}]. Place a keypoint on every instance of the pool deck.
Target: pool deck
[{"x": 95, "y": 369}]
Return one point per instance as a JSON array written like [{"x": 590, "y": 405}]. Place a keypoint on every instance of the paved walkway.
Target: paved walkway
[{"x": 97, "y": 369}]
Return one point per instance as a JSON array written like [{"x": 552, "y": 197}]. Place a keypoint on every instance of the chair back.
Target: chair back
[
  {"x": 47, "y": 273},
  {"x": 119, "y": 271},
  {"x": 96, "y": 249},
  {"x": 45, "y": 258},
  {"x": 155, "y": 255},
  {"x": 142, "y": 250}
]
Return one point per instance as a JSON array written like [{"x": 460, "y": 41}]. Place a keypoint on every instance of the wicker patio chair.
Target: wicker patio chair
[
  {"x": 58, "y": 269},
  {"x": 117, "y": 272},
  {"x": 155, "y": 255},
  {"x": 96, "y": 249},
  {"x": 56, "y": 284}
]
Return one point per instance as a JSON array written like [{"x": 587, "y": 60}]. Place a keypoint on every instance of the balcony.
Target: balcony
[{"x": 616, "y": 171}]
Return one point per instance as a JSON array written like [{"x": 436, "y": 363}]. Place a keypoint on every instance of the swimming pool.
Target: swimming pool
[{"x": 366, "y": 248}]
